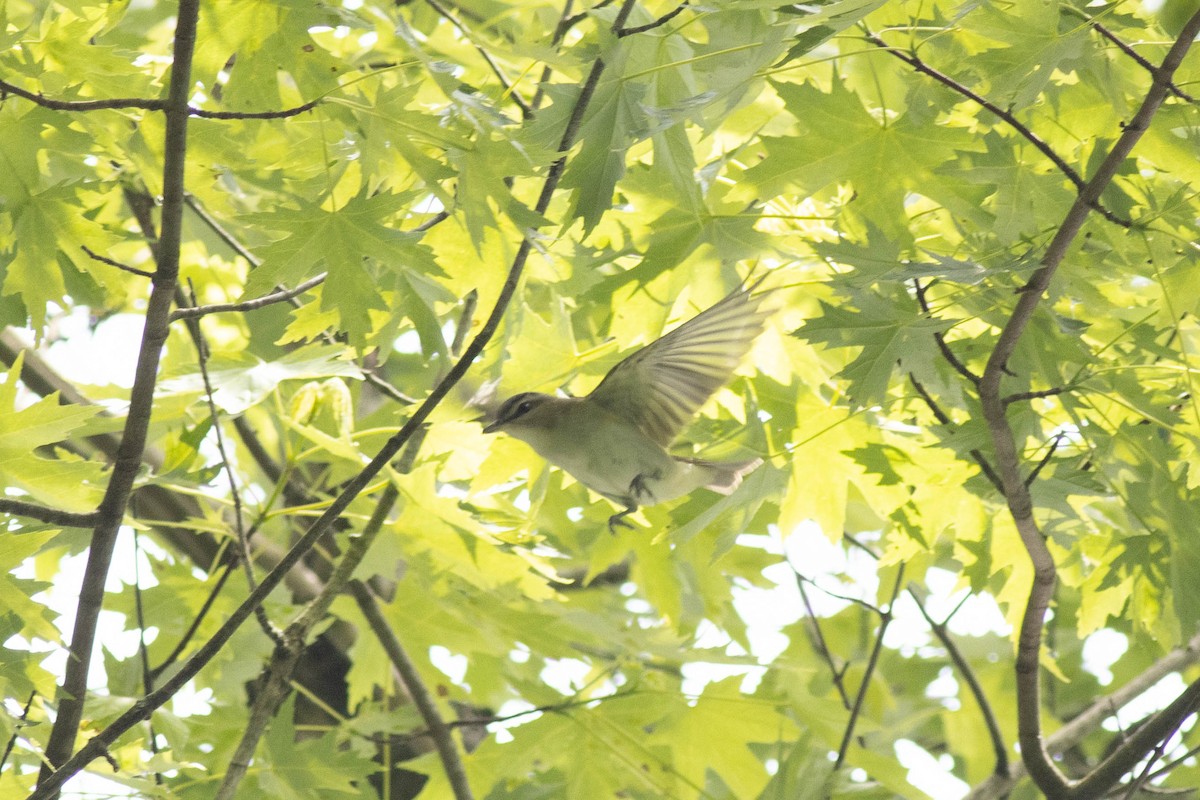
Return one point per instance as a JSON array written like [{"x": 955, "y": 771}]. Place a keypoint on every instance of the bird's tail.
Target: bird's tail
[{"x": 724, "y": 476}]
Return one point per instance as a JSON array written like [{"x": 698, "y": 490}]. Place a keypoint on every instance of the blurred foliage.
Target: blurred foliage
[{"x": 886, "y": 209}]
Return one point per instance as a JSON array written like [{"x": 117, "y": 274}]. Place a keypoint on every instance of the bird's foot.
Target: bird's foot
[
  {"x": 638, "y": 489},
  {"x": 618, "y": 520}
]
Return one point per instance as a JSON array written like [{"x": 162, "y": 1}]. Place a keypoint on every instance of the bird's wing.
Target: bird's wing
[{"x": 662, "y": 386}]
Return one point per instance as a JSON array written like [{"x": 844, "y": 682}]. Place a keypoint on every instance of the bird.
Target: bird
[{"x": 615, "y": 439}]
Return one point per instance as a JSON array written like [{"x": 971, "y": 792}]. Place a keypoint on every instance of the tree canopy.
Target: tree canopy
[{"x": 264, "y": 265}]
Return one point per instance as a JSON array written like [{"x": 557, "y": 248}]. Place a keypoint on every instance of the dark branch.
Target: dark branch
[
  {"x": 51, "y": 516},
  {"x": 1045, "y": 459},
  {"x": 281, "y": 114},
  {"x": 985, "y": 466},
  {"x": 822, "y": 647},
  {"x": 509, "y": 90},
  {"x": 940, "y": 338},
  {"x": 916, "y": 63},
  {"x": 942, "y": 632},
  {"x": 280, "y": 296},
  {"x": 113, "y": 263},
  {"x": 1125, "y": 48},
  {"x": 146, "y": 104},
  {"x": 73, "y": 690},
  {"x": 663, "y": 20},
  {"x": 1019, "y": 396},
  {"x": 884, "y": 621},
  {"x": 243, "y": 540},
  {"x": 149, "y": 104}
]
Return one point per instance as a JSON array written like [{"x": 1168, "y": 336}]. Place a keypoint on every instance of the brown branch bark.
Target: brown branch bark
[
  {"x": 49, "y": 785},
  {"x": 1043, "y": 771},
  {"x": 73, "y": 690}
]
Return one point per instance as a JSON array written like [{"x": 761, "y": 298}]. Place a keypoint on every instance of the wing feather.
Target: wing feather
[{"x": 662, "y": 386}]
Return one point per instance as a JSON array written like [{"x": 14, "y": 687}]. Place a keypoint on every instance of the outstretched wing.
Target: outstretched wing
[{"x": 662, "y": 386}]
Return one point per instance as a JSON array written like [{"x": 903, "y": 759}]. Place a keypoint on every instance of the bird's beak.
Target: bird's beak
[{"x": 495, "y": 426}]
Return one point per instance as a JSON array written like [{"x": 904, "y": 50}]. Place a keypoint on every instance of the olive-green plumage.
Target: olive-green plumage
[{"x": 614, "y": 440}]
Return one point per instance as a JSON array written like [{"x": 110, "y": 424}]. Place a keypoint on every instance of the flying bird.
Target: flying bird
[{"x": 615, "y": 439}]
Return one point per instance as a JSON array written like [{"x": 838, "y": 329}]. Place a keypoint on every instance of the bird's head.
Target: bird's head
[{"x": 524, "y": 410}]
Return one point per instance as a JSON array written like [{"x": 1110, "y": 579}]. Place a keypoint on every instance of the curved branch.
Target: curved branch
[
  {"x": 1043, "y": 771},
  {"x": 942, "y": 632},
  {"x": 97, "y": 746},
  {"x": 1083, "y": 724}
]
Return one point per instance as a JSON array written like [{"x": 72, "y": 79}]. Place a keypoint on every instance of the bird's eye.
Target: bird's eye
[{"x": 525, "y": 406}]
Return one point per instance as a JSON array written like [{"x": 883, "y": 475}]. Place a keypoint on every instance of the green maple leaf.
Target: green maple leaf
[
  {"x": 888, "y": 338},
  {"x": 350, "y": 243},
  {"x": 840, "y": 140},
  {"x": 66, "y": 483}
]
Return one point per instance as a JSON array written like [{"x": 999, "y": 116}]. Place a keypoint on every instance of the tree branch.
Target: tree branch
[
  {"x": 940, "y": 338},
  {"x": 510, "y": 91},
  {"x": 239, "y": 526},
  {"x": 942, "y": 632},
  {"x": 658, "y": 23},
  {"x": 1084, "y": 723},
  {"x": 916, "y": 63},
  {"x": 884, "y": 621},
  {"x": 822, "y": 647},
  {"x": 114, "y": 263},
  {"x": 416, "y": 688},
  {"x": 73, "y": 690},
  {"x": 49, "y": 785},
  {"x": 51, "y": 516},
  {"x": 1043, "y": 771},
  {"x": 274, "y": 684},
  {"x": 280, "y": 296}
]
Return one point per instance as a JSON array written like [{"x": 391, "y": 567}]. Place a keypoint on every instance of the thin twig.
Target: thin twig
[
  {"x": 12, "y": 740},
  {"x": 280, "y": 296},
  {"x": 942, "y": 632},
  {"x": 663, "y": 20},
  {"x": 114, "y": 263},
  {"x": 984, "y": 465},
  {"x": 422, "y": 698},
  {"x": 940, "y": 338},
  {"x": 1019, "y": 396},
  {"x": 147, "y": 104},
  {"x": 73, "y": 689},
  {"x": 916, "y": 63},
  {"x": 509, "y": 90},
  {"x": 51, "y": 516},
  {"x": 1045, "y": 459},
  {"x": 48, "y": 786},
  {"x": 281, "y": 114},
  {"x": 196, "y": 622},
  {"x": 1125, "y": 48},
  {"x": 274, "y": 685},
  {"x": 234, "y": 244},
  {"x": 822, "y": 645},
  {"x": 582, "y": 15},
  {"x": 885, "y": 619},
  {"x": 560, "y": 30},
  {"x": 245, "y": 557},
  {"x": 143, "y": 651}
]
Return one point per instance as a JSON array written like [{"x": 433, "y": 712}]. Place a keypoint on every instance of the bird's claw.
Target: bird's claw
[{"x": 618, "y": 520}]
